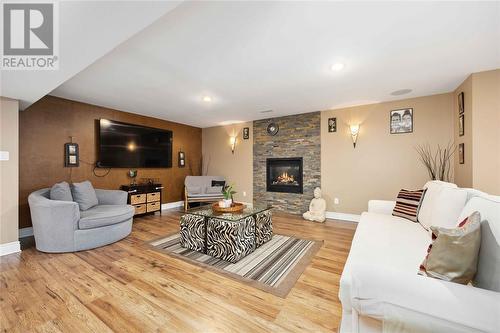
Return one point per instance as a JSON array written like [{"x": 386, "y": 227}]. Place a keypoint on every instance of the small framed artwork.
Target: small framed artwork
[
  {"x": 332, "y": 125},
  {"x": 246, "y": 133},
  {"x": 461, "y": 153},
  {"x": 461, "y": 103},
  {"x": 401, "y": 121},
  {"x": 71, "y": 155},
  {"x": 461, "y": 125},
  {"x": 182, "y": 159}
]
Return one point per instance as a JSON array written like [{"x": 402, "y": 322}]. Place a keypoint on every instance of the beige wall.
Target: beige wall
[
  {"x": 463, "y": 172},
  {"x": 486, "y": 131},
  {"x": 237, "y": 167},
  {"x": 381, "y": 164},
  {"x": 9, "y": 170}
]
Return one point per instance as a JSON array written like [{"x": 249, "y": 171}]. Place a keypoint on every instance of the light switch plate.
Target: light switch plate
[{"x": 4, "y": 155}]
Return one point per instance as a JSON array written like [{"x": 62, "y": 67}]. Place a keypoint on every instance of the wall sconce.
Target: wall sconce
[
  {"x": 354, "y": 134},
  {"x": 232, "y": 142}
]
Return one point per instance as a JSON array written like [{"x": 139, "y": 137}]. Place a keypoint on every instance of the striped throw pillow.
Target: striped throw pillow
[{"x": 408, "y": 204}]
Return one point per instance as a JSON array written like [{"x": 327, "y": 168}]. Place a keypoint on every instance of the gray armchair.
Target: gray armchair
[{"x": 60, "y": 226}]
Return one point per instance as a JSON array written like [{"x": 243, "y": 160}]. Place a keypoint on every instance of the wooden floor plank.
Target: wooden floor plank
[{"x": 127, "y": 287}]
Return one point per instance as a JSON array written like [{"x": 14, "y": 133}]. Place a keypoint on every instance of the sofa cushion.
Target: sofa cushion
[
  {"x": 214, "y": 190},
  {"x": 408, "y": 204},
  {"x": 384, "y": 241},
  {"x": 61, "y": 191},
  {"x": 103, "y": 215},
  {"x": 488, "y": 268},
  {"x": 442, "y": 204},
  {"x": 84, "y": 195},
  {"x": 453, "y": 254},
  {"x": 193, "y": 190}
]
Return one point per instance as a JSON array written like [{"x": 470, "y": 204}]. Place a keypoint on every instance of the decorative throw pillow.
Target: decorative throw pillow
[
  {"x": 84, "y": 194},
  {"x": 218, "y": 183},
  {"x": 408, "y": 203},
  {"x": 61, "y": 192},
  {"x": 453, "y": 253}
]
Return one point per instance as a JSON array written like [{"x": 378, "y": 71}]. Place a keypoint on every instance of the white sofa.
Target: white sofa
[{"x": 380, "y": 290}]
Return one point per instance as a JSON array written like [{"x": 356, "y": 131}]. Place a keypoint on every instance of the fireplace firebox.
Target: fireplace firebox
[{"x": 284, "y": 175}]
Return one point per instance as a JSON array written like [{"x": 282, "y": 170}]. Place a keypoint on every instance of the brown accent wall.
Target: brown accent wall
[{"x": 48, "y": 124}]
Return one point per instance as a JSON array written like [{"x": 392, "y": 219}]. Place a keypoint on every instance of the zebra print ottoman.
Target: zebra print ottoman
[
  {"x": 228, "y": 237},
  {"x": 230, "y": 240},
  {"x": 263, "y": 227},
  {"x": 193, "y": 230}
]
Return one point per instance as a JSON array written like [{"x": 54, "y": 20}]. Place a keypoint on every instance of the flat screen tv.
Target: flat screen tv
[{"x": 123, "y": 145}]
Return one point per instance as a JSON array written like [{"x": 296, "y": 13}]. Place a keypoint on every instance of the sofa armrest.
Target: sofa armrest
[
  {"x": 410, "y": 302},
  {"x": 54, "y": 223},
  {"x": 381, "y": 206},
  {"x": 111, "y": 197}
]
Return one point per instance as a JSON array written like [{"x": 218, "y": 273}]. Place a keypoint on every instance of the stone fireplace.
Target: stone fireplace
[
  {"x": 284, "y": 175},
  {"x": 277, "y": 159}
]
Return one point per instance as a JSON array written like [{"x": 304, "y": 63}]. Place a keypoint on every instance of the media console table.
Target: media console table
[
  {"x": 226, "y": 236},
  {"x": 146, "y": 198}
]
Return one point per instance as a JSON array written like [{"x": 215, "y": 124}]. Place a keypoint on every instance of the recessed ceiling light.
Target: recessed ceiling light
[
  {"x": 337, "y": 67},
  {"x": 207, "y": 99},
  {"x": 266, "y": 111},
  {"x": 401, "y": 92}
]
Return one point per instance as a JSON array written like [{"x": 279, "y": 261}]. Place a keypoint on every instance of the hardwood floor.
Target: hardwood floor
[{"x": 125, "y": 287}]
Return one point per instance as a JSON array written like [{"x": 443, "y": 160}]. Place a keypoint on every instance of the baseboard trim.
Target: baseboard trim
[
  {"x": 25, "y": 232},
  {"x": 171, "y": 205},
  {"x": 343, "y": 216},
  {"x": 9, "y": 248}
]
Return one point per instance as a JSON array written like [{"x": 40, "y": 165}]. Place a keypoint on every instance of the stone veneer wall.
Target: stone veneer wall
[{"x": 298, "y": 136}]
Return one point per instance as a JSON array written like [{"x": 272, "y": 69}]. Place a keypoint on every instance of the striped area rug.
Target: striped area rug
[{"x": 274, "y": 267}]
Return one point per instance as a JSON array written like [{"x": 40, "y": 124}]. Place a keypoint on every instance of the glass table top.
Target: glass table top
[{"x": 247, "y": 211}]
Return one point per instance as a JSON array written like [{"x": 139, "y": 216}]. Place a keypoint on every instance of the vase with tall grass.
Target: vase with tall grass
[{"x": 438, "y": 161}]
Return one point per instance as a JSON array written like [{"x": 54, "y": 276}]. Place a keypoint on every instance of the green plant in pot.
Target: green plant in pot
[{"x": 227, "y": 192}]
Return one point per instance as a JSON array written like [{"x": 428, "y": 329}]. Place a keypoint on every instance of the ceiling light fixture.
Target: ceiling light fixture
[
  {"x": 207, "y": 99},
  {"x": 266, "y": 111},
  {"x": 401, "y": 92},
  {"x": 337, "y": 67}
]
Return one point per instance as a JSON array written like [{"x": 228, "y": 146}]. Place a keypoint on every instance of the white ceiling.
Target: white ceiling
[
  {"x": 254, "y": 56},
  {"x": 87, "y": 31}
]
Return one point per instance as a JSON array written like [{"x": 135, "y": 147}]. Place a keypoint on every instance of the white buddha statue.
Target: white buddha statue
[{"x": 317, "y": 208}]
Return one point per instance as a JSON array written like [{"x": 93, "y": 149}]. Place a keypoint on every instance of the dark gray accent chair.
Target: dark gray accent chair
[{"x": 60, "y": 226}]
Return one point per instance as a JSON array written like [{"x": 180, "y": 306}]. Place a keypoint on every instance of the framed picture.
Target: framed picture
[
  {"x": 461, "y": 103},
  {"x": 246, "y": 133},
  {"x": 401, "y": 121},
  {"x": 71, "y": 155},
  {"x": 461, "y": 125},
  {"x": 461, "y": 153},
  {"x": 332, "y": 125},
  {"x": 182, "y": 159}
]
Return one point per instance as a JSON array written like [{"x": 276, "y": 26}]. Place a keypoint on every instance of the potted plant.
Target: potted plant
[{"x": 228, "y": 192}]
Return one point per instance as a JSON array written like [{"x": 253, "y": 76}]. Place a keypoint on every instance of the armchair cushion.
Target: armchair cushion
[
  {"x": 84, "y": 194},
  {"x": 193, "y": 190},
  {"x": 103, "y": 215},
  {"x": 214, "y": 190},
  {"x": 61, "y": 191}
]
